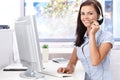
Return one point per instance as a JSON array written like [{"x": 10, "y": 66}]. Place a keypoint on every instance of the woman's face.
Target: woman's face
[{"x": 88, "y": 14}]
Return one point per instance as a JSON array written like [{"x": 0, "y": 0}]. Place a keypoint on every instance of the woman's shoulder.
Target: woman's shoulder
[
  {"x": 106, "y": 36},
  {"x": 103, "y": 34}
]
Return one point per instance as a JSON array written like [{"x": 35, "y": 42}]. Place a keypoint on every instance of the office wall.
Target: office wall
[
  {"x": 115, "y": 64},
  {"x": 10, "y": 10}
]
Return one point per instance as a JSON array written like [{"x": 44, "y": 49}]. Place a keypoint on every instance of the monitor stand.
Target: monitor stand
[{"x": 31, "y": 74}]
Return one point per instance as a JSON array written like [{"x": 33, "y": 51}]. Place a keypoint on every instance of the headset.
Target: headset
[{"x": 101, "y": 15}]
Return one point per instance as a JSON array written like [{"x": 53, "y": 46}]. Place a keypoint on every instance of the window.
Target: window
[
  {"x": 108, "y": 23},
  {"x": 56, "y": 19},
  {"x": 116, "y": 21}
]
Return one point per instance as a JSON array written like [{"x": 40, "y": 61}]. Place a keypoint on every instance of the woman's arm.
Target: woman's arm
[
  {"x": 98, "y": 54},
  {"x": 74, "y": 58},
  {"x": 71, "y": 65}
]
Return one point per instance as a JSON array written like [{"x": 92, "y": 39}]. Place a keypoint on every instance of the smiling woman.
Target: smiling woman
[{"x": 92, "y": 44}]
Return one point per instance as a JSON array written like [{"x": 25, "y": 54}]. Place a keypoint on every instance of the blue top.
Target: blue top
[{"x": 101, "y": 71}]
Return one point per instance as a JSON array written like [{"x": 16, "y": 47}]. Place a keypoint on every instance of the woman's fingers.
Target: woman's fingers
[
  {"x": 61, "y": 70},
  {"x": 94, "y": 23},
  {"x": 64, "y": 70},
  {"x": 69, "y": 72}
]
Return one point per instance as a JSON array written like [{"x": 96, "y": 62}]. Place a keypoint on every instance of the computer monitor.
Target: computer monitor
[{"x": 28, "y": 46}]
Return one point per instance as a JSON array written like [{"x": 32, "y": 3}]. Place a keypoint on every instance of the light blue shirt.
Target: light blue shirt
[{"x": 101, "y": 71}]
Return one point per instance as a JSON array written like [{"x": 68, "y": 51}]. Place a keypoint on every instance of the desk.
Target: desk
[{"x": 14, "y": 75}]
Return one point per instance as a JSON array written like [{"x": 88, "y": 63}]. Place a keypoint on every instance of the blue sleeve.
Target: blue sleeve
[{"x": 107, "y": 37}]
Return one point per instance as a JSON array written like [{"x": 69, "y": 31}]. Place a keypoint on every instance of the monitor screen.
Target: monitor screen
[{"x": 28, "y": 45}]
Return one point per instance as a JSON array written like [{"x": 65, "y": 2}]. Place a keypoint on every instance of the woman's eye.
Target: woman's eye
[
  {"x": 82, "y": 13},
  {"x": 90, "y": 13}
]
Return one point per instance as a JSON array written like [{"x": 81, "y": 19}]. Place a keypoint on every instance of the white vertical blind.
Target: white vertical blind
[{"x": 116, "y": 17}]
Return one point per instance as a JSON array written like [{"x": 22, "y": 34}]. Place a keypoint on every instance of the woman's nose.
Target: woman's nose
[{"x": 86, "y": 16}]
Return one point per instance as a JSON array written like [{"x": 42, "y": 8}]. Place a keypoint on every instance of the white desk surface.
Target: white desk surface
[{"x": 14, "y": 75}]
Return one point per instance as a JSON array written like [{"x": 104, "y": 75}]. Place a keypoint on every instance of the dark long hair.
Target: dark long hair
[{"x": 81, "y": 29}]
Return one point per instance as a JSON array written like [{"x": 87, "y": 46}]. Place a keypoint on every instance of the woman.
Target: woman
[{"x": 92, "y": 45}]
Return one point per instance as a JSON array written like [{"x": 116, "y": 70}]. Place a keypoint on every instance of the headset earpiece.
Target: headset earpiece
[{"x": 100, "y": 17}]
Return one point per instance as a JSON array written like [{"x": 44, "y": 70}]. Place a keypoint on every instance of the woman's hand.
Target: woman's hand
[
  {"x": 69, "y": 69},
  {"x": 71, "y": 65},
  {"x": 94, "y": 27}
]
